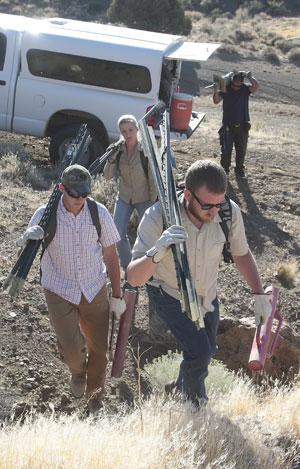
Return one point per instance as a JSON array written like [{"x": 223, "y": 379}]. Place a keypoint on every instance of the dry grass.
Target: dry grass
[
  {"x": 259, "y": 34},
  {"x": 105, "y": 192},
  {"x": 236, "y": 429},
  {"x": 288, "y": 274},
  {"x": 288, "y": 28},
  {"x": 18, "y": 168}
]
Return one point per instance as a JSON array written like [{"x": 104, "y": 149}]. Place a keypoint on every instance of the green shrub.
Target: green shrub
[
  {"x": 243, "y": 35},
  {"x": 271, "y": 55},
  {"x": 165, "y": 368},
  {"x": 229, "y": 39},
  {"x": 275, "y": 38},
  {"x": 287, "y": 45},
  {"x": 227, "y": 49},
  {"x": 294, "y": 55},
  {"x": 217, "y": 14},
  {"x": 207, "y": 28},
  {"x": 97, "y": 6},
  {"x": 271, "y": 7},
  {"x": 165, "y": 16}
]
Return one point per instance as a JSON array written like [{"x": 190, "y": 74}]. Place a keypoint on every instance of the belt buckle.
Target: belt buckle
[{"x": 237, "y": 125}]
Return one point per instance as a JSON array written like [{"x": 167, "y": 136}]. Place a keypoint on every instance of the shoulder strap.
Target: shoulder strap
[
  {"x": 52, "y": 223},
  {"x": 92, "y": 205},
  {"x": 117, "y": 170},
  {"x": 144, "y": 162},
  {"x": 226, "y": 217}
]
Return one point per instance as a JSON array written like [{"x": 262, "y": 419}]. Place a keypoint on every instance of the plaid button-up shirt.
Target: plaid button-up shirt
[{"x": 72, "y": 264}]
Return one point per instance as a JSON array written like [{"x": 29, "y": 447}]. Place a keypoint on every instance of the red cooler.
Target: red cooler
[{"x": 180, "y": 111}]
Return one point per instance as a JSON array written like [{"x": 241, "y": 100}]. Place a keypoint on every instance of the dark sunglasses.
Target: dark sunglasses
[
  {"x": 71, "y": 194},
  {"x": 236, "y": 86},
  {"x": 208, "y": 206}
]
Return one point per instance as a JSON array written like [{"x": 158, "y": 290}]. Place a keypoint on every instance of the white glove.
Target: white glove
[
  {"x": 262, "y": 309},
  {"x": 34, "y": 232},
  {"x": 173, "y": 235},
  {"x": 117, "y": 306}
]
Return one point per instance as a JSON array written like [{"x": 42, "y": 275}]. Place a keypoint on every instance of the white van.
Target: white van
[{"x": 56, "y": 74}]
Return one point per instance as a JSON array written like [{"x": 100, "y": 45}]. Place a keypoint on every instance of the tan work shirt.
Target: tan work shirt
[
  {"x": 134, "y": 186},
  {"x": 204, "y": 247}
]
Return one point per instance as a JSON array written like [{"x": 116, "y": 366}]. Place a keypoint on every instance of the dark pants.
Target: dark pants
[
  {"x": 238, "y": 136},
  {"x": 198, "y": 346}
]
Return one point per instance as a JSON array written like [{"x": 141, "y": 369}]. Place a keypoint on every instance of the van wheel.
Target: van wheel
[{"x": 64, "y": 136}]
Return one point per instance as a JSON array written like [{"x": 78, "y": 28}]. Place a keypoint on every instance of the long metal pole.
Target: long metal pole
[{"x": 160, "y": 160}]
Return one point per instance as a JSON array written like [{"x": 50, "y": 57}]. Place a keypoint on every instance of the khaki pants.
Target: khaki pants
[{"x": 82, "y": 336}]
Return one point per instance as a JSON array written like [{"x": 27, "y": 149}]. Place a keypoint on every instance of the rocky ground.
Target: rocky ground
[{"x": 32, "y": 375}]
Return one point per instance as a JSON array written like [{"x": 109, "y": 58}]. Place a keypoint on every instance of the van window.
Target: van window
[
  {"x": 3, "y": 42},
  {"x": 89, "y": 71}
]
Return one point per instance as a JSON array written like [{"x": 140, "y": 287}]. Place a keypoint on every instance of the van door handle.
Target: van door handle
[{"x": 2, "y": 82}]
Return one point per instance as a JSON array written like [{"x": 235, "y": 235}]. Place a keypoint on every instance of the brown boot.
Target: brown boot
[
  {"x": 94, "y": 405},
  {"x": 170, "y": 388}
]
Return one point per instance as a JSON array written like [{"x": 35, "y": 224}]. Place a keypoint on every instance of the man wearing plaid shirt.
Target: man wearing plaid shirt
[{"x": 74, "y": 271}]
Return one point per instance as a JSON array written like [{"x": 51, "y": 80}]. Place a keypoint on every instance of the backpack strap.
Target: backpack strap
[
  {"x": 226, "y": 217},
  {"x": 92, "y": 205},
  {"x": 144, "y": 161},
  {"x": 52, "y": 222},
  {"x": 118, "y": 158}
]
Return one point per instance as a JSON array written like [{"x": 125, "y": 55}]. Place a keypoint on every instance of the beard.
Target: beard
[{"x": 205, "y": 218}]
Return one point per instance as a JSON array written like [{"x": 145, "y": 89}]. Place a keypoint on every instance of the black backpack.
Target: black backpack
[
  {"x": 52, "y": 223},
  {"x": 226, "y": 217}
]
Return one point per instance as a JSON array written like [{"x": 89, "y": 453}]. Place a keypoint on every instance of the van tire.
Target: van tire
[{"x": 64, "y": 136}]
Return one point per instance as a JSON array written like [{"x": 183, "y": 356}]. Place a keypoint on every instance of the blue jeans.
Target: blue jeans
[
  {"x": 122, "y": 214},
  {"x": 198, "y": 346}
]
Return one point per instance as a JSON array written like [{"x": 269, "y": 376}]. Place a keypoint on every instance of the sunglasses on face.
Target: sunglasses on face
[
  {"x": 235, "y": 86},
  {"x": 208, "y": 206},
  {"x": 71, "y": 194}
]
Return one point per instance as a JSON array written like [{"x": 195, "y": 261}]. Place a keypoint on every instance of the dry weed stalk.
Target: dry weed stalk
[{"x": 138, "y": 361}]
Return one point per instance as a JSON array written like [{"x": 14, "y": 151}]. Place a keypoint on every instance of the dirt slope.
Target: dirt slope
[{"x": 32, "y": 374}]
